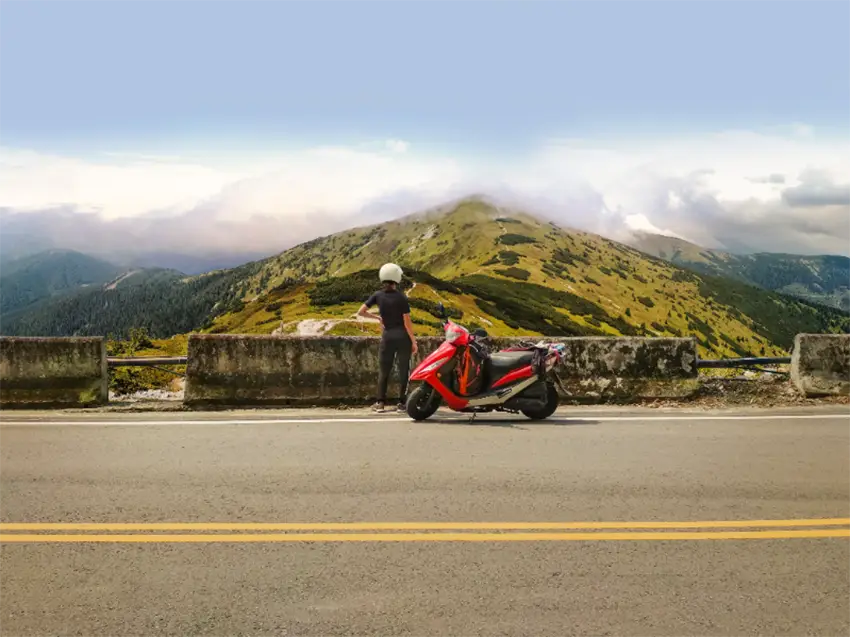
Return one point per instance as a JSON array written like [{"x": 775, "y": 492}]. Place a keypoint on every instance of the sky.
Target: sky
[{"x": 247, "y": 127}]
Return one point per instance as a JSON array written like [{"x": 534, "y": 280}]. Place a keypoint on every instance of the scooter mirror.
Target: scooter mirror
[{"x": 441, "y": 309}]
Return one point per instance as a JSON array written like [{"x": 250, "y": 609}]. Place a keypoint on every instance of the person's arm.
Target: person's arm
[
  {"x": 364, "y": 310},
  {"x": 408, "y": 325}
]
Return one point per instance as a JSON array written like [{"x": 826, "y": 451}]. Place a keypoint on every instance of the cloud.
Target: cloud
[
  {"x": 699, "y": 188},
  {"x": 397, "y": 145},
  {"x": 816, "y": 190},
  {"x": 126, "y": 206},
  {"x": 116, "y": 186},
  {"x": 775, "y": 178}
]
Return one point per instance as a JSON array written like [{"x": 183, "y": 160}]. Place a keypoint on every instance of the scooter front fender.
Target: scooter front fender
[{"x": 433, "y": 362}]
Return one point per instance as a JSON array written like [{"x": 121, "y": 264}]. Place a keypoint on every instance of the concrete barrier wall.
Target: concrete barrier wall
[
  {"x": 53, "y": 372},
  {"x": 820, "y": 364},
  {"x": 622, "y": 367},
  {"x": 283, "y": 370}
]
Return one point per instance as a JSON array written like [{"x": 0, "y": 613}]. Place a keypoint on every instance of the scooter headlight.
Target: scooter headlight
[{"x": 454, "y": 333}]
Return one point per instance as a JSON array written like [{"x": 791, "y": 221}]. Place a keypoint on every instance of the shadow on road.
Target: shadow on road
[{"x": 513, "y": 423}]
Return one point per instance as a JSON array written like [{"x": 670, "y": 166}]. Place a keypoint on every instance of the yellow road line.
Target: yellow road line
[
  {"x": 431, "y": 537},
  {"x": 409, "y": 526}
]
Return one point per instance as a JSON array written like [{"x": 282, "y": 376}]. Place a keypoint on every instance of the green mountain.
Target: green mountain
[
  {"x": 30, "y": 279},
  {"x": 822, "y": 279},
  {"x": 166, "y": 302},
  {"x": 503, "y": 270}
]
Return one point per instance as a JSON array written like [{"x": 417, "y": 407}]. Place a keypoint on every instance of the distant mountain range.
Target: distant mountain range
[
  {"x": 500, "y": 269},
  {"x": 39, "y": 284},
  {"x": 822, "y": 279},
  {"x": 52, "y": 273}
]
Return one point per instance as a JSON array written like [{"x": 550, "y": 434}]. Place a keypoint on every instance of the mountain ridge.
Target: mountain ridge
[
  {"x": 29, "y": 279},
  {"x": 823, "y": 279},
  {"x": 496, "y": 267},
  {"x": 513, "y": 248}
]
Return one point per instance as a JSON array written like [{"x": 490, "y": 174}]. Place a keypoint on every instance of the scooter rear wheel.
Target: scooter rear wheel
[
  {"x": 552, "y": 400},
  {"x": 422, "y": 402}
]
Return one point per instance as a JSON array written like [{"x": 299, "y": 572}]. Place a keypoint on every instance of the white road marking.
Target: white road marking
[
  {"x": 149, "y": 423},
  {"x": 320, "y": 420}
]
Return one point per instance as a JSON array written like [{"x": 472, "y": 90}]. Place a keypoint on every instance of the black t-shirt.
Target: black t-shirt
[{"x": 393, "y": 306}]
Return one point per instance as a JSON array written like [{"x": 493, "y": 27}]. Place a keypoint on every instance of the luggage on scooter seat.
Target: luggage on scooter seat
[
  {"x": 472, "y": 370},
  {"x": 531, "y": 354}
]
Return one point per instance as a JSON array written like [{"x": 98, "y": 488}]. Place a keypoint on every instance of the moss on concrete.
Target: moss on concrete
[
  {"x": 286, "y": 370},
  {"x": 52, "y": 372}
]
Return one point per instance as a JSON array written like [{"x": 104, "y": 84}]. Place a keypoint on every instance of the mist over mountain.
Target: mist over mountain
[
  {"x": 189, "y": 264},
  {"x": 191, "y": 243}
]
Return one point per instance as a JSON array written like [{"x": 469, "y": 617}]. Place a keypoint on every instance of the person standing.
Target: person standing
[{"x": 398, "y": 342}]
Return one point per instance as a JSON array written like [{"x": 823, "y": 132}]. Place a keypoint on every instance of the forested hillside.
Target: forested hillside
[{"x": 166, "y": 304}]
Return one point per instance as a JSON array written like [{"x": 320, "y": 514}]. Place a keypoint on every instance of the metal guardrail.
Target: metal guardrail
[
  {"x": 730, "y": 363},
  {"x": 149, "y": 361},
  {"x": 722, "y": 363},
  {"x": 154, "y": 362}
]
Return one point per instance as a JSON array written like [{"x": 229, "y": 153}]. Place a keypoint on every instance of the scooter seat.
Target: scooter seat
[{"x": 503, "y": 362}]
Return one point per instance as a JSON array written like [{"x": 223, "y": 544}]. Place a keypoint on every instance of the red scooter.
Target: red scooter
[{"x": 464, "y": 375}]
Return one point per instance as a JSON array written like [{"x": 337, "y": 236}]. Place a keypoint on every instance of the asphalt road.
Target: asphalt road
[{"x": 624, "y": 522}]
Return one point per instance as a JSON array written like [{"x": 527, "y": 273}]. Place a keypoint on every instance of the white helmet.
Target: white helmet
[{"x": 390, "y": 272}]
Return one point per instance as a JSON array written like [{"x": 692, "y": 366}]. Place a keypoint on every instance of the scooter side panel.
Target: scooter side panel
[
  {"x": 517, "y": 374},
  {"x": 452, "y": 400},
  {"x": 501, "y": 396}
]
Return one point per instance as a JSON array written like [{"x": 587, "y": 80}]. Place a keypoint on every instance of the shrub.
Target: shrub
[
  {"x": 509, "y": 257},
  {"x": 736, "y": 347},
  {"x": 352, "y": 288},
  {"x": 515, "y": 273},
  {"x": 431, "y": 308},
  {"x": 550, "y": 267},
  {"x": 510, "y": 239},
  {"x": 567, "y": 257},
  {"x": 680, "y": 276},
  {"x": 646, "y": 301},
  {"x": 532, "y": 307},
  {"x": 275, "y": 307}
]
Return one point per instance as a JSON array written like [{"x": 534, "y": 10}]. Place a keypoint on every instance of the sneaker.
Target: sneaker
[
  {"x": 401, "y": 407},
  {"x": 379, "y": 407}
]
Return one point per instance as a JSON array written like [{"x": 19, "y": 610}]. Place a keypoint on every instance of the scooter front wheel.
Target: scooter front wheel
[{"x": 422, "y": 402}]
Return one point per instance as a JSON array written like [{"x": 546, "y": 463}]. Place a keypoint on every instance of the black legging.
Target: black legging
[{"x": 395, "y": 346}]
